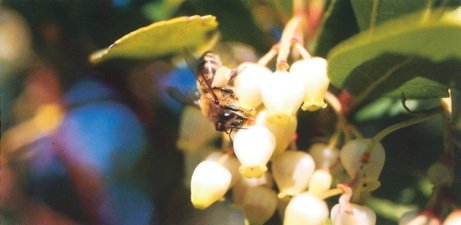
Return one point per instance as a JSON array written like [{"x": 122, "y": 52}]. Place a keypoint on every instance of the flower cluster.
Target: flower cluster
[{"x": 262, "y": 171}]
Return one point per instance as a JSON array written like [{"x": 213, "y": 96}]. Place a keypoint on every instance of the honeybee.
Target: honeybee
[{"x": 217, "y": 99}]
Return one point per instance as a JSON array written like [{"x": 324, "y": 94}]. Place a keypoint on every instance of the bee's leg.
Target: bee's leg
[
  {"x": 226, "y": 90},
  {"x": 229, "y": 132}
]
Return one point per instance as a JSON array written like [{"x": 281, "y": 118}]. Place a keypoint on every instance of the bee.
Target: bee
[{"x": 217, "y": 99}]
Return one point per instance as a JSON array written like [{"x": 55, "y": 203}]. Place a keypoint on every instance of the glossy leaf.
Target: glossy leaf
[
  {"x": 366, "y": 12},
  {"x": 413, "y": 55},
  {"x": 338, "y": 24},
  {"x": 160, "y": 38}
]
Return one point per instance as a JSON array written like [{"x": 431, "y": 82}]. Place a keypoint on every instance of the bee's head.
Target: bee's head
[{"x": 228, "y": 121}]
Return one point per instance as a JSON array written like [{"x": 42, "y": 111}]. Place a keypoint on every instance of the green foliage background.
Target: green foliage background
[{"x": 414, "y": 45}]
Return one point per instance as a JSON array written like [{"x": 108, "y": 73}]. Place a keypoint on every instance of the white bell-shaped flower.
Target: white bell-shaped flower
[
  {"x": 282, "y": 127},
  {"x": 407, "y": 217},
  {"x": 324, "y": 155},
  {"x": 313, "y": 74},
  {"x": 353, "y": 158},
  {"x": 247, "y": 84},
  {"x": 320, "y": 182},
  {"x": 454, "y": 218},
  {"x": 230, "y": 162},
  {"x": 243, "y": 184},
  {"x": 415, "y": 217},
  {"x": 306, "y": 209},
  {"x": 210, "y": 181},
  {"x": 253, "y": 147},
  {"x": 259, "y": 204},
  {"x": 191, "y": 160},
  {"x": 282, "y": 94},
  {"x": 292, "y": 172},
  {"x": 352, "y": 214}
]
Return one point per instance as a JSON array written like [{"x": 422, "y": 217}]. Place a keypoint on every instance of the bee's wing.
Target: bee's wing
[
  {"x": 191, "y": 61},
  {"x": 189, "y": 97},
  {"x": 193, "y": 64}
]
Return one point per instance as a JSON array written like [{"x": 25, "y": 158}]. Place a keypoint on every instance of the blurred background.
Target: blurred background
[{"x": 96, "y": 144}]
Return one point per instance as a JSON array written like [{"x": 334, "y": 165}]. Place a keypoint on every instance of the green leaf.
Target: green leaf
[
  {"x": 160, "y": 38},
  {"x": 418, "y": 55},
  {"x": 337, "y": 24},
  {"x": 379, "y": 11}
]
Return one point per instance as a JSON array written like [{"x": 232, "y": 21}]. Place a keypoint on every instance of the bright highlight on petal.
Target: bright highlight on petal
[
  {"x": 292, "y": 172},
  {"x": 320, "y": 182},
  {"x": 253, "y": 147},
  {"x": 454, "y": 218},
  {"x": 282, "y": 94},
  {"x": 313, "y": 74},
  {"x": 210, "y": 181},
  {"x": 306, "y": 209},
  {"x": 230, "y": 162},
  {"x": 282, "y": 127},
  {"x": 248, "y": 84},
  {"x": 352, "y": 214}
]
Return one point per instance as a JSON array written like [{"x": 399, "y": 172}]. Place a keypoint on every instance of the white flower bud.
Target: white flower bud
[
  {"x": 454, "y": 218},
  {"x": 282, "y": 127},
  {"x": 419, "y": 218},
  {"x": 352, "y": 214},
  {"x": 323, "y": 155},
  {"x": 243, "y": 184},
  {"x": 313, "y": 74},
  {"x": 320, "y": 182},
  {"x": 407, "y": 217},
  {"x": 259, "y": 204},
  {"x": 440, "y": 174},
  {"x": 253, "y": 147},
  {"x": 306, "y": 209},
  {"x": 210, "y": 181},
  {"x": 192, "y": 159},
  {"x": 292, "y": 172},
  {"x": 230, "y": 162},
  {"x": 193, "y": 119},
  {"x": 282, "y": 93},
  {"x": 247, "y": 84},
  {"x": 352, "y": 157}
]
